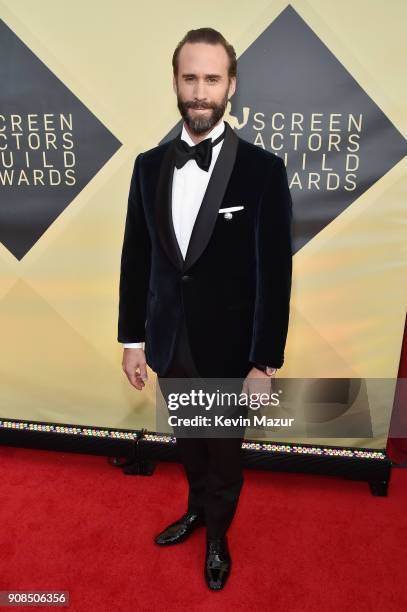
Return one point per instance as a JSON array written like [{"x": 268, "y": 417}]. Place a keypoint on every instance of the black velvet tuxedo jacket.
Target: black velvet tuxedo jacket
[{"x": 233, "y": 288}]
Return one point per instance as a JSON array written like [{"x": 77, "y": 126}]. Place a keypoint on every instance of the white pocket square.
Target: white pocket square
[{"x": 230, "y": 209}]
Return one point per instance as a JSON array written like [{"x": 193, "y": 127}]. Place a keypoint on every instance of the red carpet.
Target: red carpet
[{"x": 307, "y": 543}]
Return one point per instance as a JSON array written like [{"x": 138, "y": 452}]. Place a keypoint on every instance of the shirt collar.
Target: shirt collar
[{"x": 213, "y": 134}]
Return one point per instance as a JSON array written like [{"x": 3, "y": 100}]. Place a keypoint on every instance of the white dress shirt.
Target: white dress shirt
[{"x": 188, "y": 189}]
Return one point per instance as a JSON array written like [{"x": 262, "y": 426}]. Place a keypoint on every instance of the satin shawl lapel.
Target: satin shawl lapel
[
  {"x": 162, "y": 208},
  {"x": 207, "y": 215}
]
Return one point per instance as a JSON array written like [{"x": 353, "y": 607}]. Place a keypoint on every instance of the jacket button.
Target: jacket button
[{"x": 186, "y": 277}]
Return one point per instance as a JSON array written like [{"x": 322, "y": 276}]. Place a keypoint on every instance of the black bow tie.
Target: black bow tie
[{"x": 201, "y": 153}]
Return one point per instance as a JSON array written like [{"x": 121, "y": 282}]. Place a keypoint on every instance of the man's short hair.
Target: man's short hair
[{"x": 211, "y": 37}]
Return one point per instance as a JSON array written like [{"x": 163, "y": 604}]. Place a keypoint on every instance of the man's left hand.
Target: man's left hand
[{"x": 258, "y": 382}]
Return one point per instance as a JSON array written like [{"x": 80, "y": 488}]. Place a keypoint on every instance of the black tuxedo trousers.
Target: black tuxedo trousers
[{"x": 213, "y": 466}]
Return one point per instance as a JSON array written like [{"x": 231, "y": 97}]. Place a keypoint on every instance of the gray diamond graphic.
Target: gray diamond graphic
[
  {"x": 289, "y": 74},
  {"x": 53, "y": 145}
]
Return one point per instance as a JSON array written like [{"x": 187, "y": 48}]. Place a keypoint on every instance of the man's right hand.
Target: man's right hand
[{"x": 133, "y": 360}]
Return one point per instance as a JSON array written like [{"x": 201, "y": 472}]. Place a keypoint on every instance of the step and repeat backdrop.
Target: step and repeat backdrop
[{"x": 86, "y": 86}]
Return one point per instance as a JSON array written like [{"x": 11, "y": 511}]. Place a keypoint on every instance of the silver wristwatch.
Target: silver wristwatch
[{"x": 270, "y": 371}]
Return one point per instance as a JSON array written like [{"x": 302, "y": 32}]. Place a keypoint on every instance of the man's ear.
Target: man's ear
[
  {"x": 232, "y": 86},
  {"x": 174, "y": 83}
]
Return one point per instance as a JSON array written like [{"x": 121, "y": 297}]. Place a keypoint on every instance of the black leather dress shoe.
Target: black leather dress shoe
[
  {"x": 218, "y": 563},
  {"x": 180, "y": 530}
]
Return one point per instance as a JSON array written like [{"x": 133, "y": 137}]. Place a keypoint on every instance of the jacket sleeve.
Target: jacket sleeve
[
  {"x": 135, "y": 266},
  {"x": 273, "y": 235}
]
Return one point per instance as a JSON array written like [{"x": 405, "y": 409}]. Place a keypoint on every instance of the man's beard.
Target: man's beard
[{"x": 200, "y": 125}]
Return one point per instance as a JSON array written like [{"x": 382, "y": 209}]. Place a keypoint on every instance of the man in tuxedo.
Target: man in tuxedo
[{"x": 205, "y": 276}]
